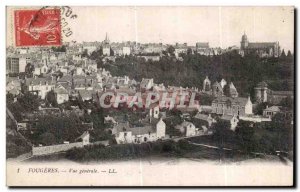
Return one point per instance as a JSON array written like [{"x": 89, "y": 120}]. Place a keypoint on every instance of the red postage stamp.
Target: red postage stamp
[{"x": 37, "y": 27}]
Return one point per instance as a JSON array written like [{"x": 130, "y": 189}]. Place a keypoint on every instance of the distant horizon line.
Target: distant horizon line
[{"x": 180, "y": 43}]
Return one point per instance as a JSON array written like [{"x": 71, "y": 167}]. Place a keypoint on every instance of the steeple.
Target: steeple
[
  {"x": 106, "y": 41},
  {"x": 106, "y": 37}
]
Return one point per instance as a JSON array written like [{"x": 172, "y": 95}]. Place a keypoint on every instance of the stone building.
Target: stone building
[
  {"x": 217, "y": 90},
  {"x": 146, "y": 84},
  {"x": 187, "y": 128},
  {"x": 61, "y": 94},
  {"x": 271, "y": 111},
  {"x": 261, "y": 92},
  {"x": 202, "y": 45},
  {"x": 264, "y": 94},
  {"x": 238, "y": 106},
  {"x": 125, "y": 133},
  {"x": 263, "y": 49},
  {"x": 40, "y": 86},
  {"x": 126, "y": 50},
  {"x": 16, "y": 63},
  {"x": 206, "y": 85}
]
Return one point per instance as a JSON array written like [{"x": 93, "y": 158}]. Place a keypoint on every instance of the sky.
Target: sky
[{"x": 220, "y": 26}]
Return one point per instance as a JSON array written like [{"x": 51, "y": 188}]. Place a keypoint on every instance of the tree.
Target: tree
[
  {"x": 97, "y": 54},
  {"x": 29, "y": 68},
  {"x": 189, "y": 51},
  {"x": 29, "y": 101},
  {"x": 112, "y": 53},
  {"x": 245, "y": 136},
  {"x": 97, "y": 118},
  {"x": 99, "y": 63},
  {"x": 16, "y": 110},
  {"x": 283, "y": 55},
  {"x": 51, "y": 98},
  {"x": 222, "y": 132},
  {"x": 59, "y": 49},
  {"x": 9, "y": 98},
  {"x": 60, "y": 74},
  {"x": 85, "y": 53},
  {"x": 245, "y": 72},
  {"x": 289, "y": 54},
  {"x": 63, "y": 128},
  {"x": 287, "y": 102},
  {"x": 47, "y": 139},
  {"x": 171, "y": 50},
  {"x": 260, "y": 108},
  {"x": 206, "y": 99}
]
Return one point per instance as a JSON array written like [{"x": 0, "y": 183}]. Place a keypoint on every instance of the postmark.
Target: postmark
[{"x": 39, "y": 27}]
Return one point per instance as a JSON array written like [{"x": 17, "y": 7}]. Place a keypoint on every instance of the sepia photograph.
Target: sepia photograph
[{"x": 143, "y": 96}]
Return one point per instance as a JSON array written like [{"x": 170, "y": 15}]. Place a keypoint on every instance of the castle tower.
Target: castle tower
[
  {"x": 244, "y": 42},
  {"x": 261, "y": 91}
]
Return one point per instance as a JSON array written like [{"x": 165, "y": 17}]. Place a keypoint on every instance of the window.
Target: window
[{"x": 145, "y": 139}]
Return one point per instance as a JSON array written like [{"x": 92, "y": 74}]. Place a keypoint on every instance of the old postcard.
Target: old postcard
[{"x": 150, "y": 96}]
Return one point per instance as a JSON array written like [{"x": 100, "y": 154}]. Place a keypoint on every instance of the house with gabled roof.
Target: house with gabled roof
[
  {"x": 40, "y": 85},
  {"x": 187, "y": 128},
  {"x": 13, "y": 86},
  {"x": 232, "y": 106},
  {"x": 126, "y": 133},
  {"x": 271, "y": 111},
  {"x": 62, "y": 94},
  {"x": 146, "y": 84}
]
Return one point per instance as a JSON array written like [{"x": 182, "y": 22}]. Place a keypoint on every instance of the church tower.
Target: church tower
[
  {"x": 106, "y": 46},
  {"x": 244, "y": 42},
  {"x": 106, "y": 40}
]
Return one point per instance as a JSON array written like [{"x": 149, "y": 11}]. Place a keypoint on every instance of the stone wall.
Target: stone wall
[
  {"x": 256, "y": 119},
  {"x": 45, "y": 150}
]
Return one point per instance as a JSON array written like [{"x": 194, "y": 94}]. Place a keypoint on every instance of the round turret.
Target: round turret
[
  {"x": 244, "y": 37},
  {"x": 244, "y": 42}
]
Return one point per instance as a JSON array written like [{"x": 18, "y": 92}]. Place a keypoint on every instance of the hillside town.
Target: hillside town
[{"x": 55, "y": 97}]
